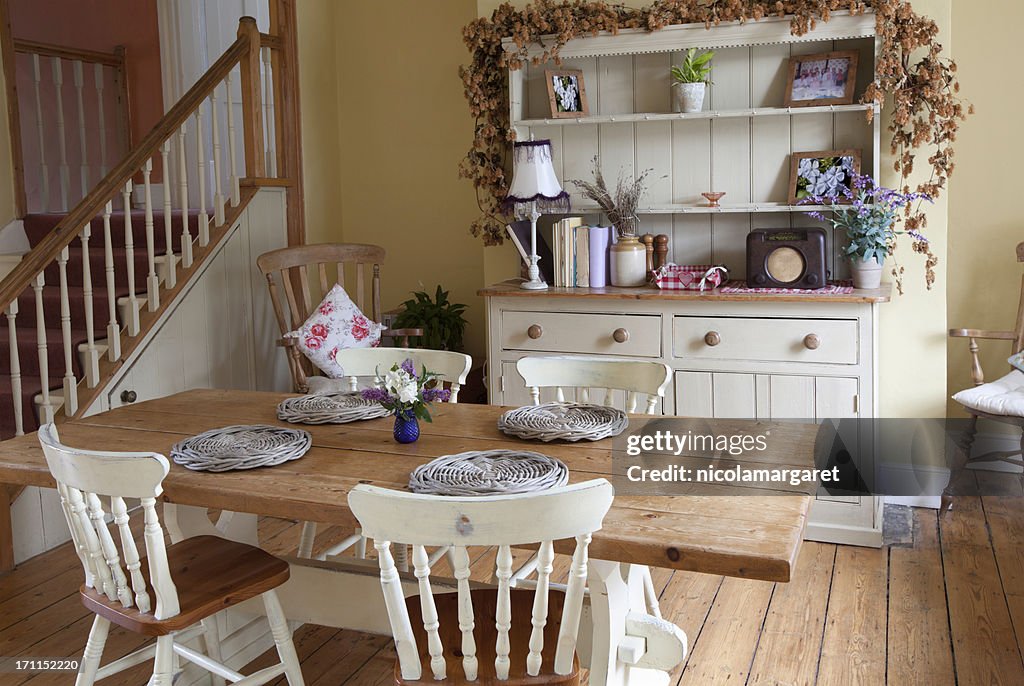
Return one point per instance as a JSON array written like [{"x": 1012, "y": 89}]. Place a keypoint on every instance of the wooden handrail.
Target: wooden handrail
[
  {"x": 111, "y": 59},
  {"x": 91, "y": 205}
]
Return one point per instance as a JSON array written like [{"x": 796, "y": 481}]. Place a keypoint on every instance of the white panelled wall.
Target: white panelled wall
[{"x": 219, "y": 332}]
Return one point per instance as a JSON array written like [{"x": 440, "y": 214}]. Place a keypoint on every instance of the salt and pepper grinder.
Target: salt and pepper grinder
[
  {"x": 660, "y": 251},
  {"x": 648, "y": 241}
]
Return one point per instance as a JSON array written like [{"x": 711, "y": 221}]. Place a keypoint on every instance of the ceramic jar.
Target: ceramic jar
[
  {"x": 629, "y": 262},
  {"x": 688, "y": 97}
]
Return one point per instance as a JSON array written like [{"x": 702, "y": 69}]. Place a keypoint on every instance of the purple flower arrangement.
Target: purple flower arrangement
[
  {"x": 869, "y": 214},
  {"x": 407, "y": 393}
]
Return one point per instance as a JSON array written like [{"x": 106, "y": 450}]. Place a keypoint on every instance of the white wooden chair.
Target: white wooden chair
[
  {"x": 174, "y": 592},
  {"x": 499, "y": 634},
  {"x": 451, "y": 367},
  {"x": 584, "y": 375}
]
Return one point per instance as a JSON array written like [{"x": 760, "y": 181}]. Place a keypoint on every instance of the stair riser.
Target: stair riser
[
  {"x": 97, "y": 266},
  {"x": 38, "y": 227},
  {"x": 51, "y": 310}
]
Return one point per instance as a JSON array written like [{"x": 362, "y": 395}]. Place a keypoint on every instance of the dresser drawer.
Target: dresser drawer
[
  {"x": 632, "y": 335},
  {"x": 828, "y": 341}
]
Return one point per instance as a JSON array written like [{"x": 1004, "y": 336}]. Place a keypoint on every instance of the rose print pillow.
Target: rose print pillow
[
  {"x": 335, "y": 325},
  {"x": 1017, "y": 360}
]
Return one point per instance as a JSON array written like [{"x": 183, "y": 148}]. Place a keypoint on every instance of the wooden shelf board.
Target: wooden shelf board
[
  {"x": 511, "y": 288},
  {"x": 684, "y": 208},
  {"x": 710, "y": 114}
]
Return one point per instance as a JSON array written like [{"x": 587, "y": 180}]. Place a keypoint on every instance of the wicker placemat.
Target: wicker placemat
[
  {"x": 241, "y": 447},
  {"x": 338, "y": 408},
  {"x": 489, "y": 472},
  {"x": 564, "y": 422}
]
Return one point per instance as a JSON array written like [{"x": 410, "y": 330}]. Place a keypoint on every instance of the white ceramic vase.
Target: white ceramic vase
[
  {"x": 629, "y": 262},
  {"x": 867, "y": 274},
  {"x": 688, "y": 97}
]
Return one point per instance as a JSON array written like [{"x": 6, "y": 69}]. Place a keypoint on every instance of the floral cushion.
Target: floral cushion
[
  {"x": 1017, "y": 360},
  {"x": 336, "y": 324}
]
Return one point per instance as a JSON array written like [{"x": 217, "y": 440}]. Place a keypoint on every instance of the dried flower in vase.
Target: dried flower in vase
[{"x": 622, "y": 207}]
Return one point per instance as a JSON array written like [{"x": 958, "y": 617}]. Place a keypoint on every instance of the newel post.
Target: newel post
[{"x": 252, "y": 104}]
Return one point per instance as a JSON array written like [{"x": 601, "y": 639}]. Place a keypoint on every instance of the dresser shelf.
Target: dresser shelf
[
  {"x": 746, "y": 113},
  {"x": 687, "y": 208}
]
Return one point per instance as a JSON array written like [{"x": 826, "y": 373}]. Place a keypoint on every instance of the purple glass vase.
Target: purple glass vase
[{"x": 407, "y": 427}]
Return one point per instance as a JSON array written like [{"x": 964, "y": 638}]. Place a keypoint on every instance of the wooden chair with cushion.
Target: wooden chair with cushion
[
  {"x": 486, "y": 636},
  {"x": 452, "y": 368},
  {"x": 1001, "y": 400},
  {"x": 585, "y": 375},
  {"x": 173, "y": 592},
  {"x": 302, "y": 268}
]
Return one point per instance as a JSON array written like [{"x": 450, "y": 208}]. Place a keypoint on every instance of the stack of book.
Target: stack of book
[{"x": 578, "y": 255}]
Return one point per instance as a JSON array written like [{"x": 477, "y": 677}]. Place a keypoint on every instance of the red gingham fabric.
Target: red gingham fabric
[{"x": 689, "y": 277}]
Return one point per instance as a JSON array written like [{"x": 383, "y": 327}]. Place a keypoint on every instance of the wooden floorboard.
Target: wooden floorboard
[{"x": 946, "y": 611}]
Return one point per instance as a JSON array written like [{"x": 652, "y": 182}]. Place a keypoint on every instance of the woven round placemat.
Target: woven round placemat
[
  {"x": 338, "y": 408},
  {"x": 241, "y": 447},
  {"x": 489, "y": 472},
  {"x": 563, "y": 422}
]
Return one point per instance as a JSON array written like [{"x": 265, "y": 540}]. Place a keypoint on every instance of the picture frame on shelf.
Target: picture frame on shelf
[
  {"x": 567, "y": 93},
  {"x": 827, "y": 78},
  {"x": 822, "y": 173}
]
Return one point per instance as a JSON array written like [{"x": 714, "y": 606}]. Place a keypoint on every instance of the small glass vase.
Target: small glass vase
[{"x": 407, "y": 427}]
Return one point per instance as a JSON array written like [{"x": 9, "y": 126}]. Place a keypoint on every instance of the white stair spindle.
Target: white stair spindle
[
  {"x": 171, "y": 278},
  {"x": 421, "y": 565},
  {"x": 92, "y": 355},
  {"x": 62, "y": 143},
  {"x": 268, "y": 113},
  {"x": 44, "y": 169},
  {"x": 113, "y": 328},
  {"x": 132, "y": 325},
  {"x": 236, "y": 195},
  {"x": 46, "y": 411},
  {"x": 503, "y": 612},
  {"x": 204, "y": 218},
  {"x": 218, "y": 195},
  {"x": 70, "y": 382},
  {"x": 83, "y": 169},
  {"x": 460, "y": 556},
  {"x": 186, "y": 237},
  {"x": 545, "y": 557},
  {"x": 12, "y": 341},
  {"x": 152, "y": 281},
  {"x": 102, "y": 117}
]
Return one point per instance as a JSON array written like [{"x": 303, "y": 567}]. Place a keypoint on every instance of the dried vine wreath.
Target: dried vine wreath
[{"x": 910, "y": 69}]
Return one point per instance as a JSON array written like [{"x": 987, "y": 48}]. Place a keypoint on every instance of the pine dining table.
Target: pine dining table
[{"x": 752, "y": 533}]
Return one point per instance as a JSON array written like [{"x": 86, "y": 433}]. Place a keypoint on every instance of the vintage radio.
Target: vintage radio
[{"x": 786, "y": 258}]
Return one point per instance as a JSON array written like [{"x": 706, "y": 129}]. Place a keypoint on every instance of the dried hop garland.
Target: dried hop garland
[{"x": 910, "y": 70}]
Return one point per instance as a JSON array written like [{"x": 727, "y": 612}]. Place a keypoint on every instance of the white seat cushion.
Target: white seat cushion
[
  {"x": 1004, "y": 396},
  {"x": 321, "y": 385}
]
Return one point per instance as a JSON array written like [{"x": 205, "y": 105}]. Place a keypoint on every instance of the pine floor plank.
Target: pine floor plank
[
  {"x": 918, "y": 637},
  {"x": 725, "y": 647},
  {"x": 791, "y": 639},
  {"x": 1005, "y": 517},
  {"x": 853, "y": 649},
  {"x": 685, "y": 602},
  {"x": 984, "y": 644}
]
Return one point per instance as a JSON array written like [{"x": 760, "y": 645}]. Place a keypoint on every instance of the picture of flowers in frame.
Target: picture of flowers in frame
[
  {"x": 567, "y": 93},
  {"x": 825, "y": 79},
  {"x": 823, "y": 174}
]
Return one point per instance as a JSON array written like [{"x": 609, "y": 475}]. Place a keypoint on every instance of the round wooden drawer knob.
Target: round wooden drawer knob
[
  {"x": 129, "y": 396},
  {"x": 712, "y": 338},
  {"x": 812, "y": 341},
  {"x": 620, "y": 335},
  {"x": 535, "y": 331}
]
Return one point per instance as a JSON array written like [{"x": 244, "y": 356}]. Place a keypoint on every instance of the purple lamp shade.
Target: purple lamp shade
[{"x": 534, "y": 178}]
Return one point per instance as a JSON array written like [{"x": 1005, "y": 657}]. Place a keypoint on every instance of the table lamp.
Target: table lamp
[{"x": 534, "y": 188}]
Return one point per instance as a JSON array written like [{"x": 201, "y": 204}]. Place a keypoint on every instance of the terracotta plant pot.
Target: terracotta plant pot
[
  {"x": 867, "y": 274},
  {"x": 688, "y": 97}
]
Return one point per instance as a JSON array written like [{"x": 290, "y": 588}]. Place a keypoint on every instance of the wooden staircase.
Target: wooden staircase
[{"x": 98, "y": 278}]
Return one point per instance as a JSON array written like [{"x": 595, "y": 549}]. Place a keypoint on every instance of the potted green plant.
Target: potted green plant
[
  {"x": 869, "y": 214},
  {"x": 442, "y": 321},
  {"x": 690, "y": 80}
]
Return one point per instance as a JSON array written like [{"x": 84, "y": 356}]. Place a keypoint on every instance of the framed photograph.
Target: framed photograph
[
  {"x": 824, "y": 79},
  {"x": 567, "y": 93},
  {"x": 824, "y": 174}
]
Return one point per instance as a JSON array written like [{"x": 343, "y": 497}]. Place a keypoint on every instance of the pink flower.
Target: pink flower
[
  {"x": 318, "y": 331},
  {"x": 359, "y": 332},
  {"x": 314, "y": 343},
  {"x": 326, "y": 307}
]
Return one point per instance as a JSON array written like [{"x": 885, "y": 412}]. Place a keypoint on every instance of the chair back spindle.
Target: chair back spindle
[
  {"x": 584, "y": 378},
  {"x": 571, "y": 512},
  {"x": 452, "y": 368}
]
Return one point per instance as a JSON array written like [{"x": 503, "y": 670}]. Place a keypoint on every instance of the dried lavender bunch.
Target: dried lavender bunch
[{"x": 621, "y": 207}]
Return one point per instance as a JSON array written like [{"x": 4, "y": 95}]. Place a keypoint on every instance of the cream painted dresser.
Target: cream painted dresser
[{"x": 793, "y": 356}]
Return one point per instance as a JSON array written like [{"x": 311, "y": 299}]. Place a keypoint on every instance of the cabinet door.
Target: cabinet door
[{"x": 723, "y": 395}]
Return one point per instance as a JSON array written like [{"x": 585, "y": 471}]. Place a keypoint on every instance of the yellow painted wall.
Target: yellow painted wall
[{"x": 985, "y": 222}]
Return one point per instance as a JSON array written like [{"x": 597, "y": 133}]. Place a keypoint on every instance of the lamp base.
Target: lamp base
[{"x": 534, "y": 285}]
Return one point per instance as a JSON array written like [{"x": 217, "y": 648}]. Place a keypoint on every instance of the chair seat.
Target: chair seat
[
  {"x": 322, "y": 385},
  {"x": 211, "y": 574},
  {"x": 1004, "y": 397},
  {"x": 485, "y": 634}
]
